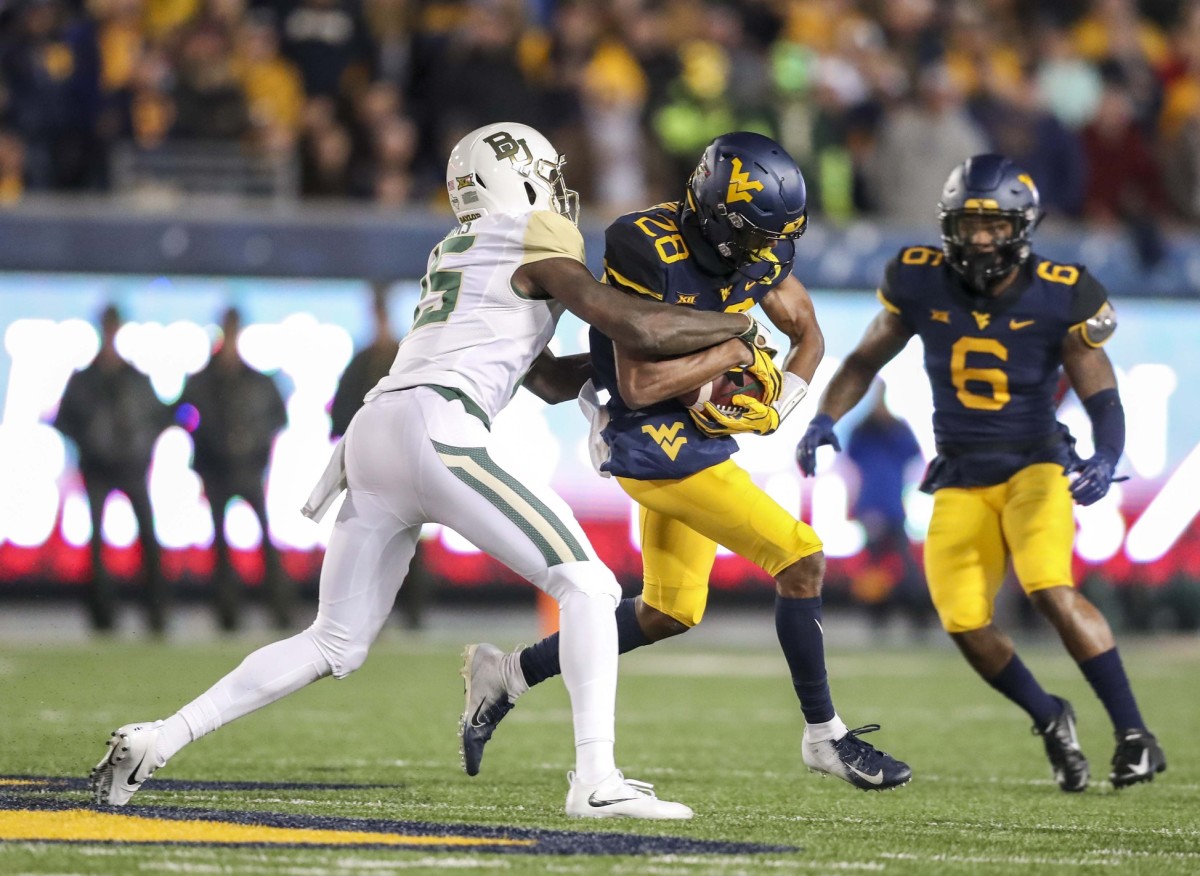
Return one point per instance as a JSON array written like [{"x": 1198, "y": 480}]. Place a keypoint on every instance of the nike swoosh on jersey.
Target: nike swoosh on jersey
[
  {"x": 1015, "y": 325},
  {"x": 600, "y": 804},
  {"x": 876, "y": 779}
]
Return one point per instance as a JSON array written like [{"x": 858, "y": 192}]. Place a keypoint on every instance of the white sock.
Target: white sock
[
  {"x": 588, "y": 655},
  {"x": 269, "y": 674},
  {"x": 514, "y": 676},
  {"x": 832, "y": 729}
]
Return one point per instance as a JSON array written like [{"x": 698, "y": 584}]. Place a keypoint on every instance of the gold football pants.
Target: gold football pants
[
  {"x": 682, "y": 522},
  {"x": 974, "y": 530}
]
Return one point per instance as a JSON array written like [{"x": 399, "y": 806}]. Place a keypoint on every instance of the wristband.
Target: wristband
[{"x": 795, "y": 388}]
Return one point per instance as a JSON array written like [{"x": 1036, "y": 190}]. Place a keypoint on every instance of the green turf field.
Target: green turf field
[{"x": 715, "y": 727}]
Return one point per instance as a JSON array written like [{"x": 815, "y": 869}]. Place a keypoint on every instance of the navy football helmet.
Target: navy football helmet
[
  {"x": 987, "y": 187},
  {"x": 750, "y": 199}
]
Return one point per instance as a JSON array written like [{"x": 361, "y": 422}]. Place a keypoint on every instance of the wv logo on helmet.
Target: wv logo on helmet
[{"x": 740, "y": 184}]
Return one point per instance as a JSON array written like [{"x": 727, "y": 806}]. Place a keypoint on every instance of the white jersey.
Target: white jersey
[{"x": 473, "y": 332}]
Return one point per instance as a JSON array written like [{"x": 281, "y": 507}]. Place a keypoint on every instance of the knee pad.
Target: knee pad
[
  {"x": 590, "y": 578},
  {"x": 343, "y": 654}
]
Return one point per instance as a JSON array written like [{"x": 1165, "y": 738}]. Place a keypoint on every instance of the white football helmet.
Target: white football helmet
[{"x": 507, "y": 168}]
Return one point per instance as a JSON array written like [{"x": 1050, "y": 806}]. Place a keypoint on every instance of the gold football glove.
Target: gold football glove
[
  {"x": 752, "y": 417},
  {"x": 768, "y": 374}
]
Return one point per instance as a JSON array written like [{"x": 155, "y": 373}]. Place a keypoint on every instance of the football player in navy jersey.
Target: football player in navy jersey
[
  {"x": 997, "y": 322},
  {"x": 727, "y": 246}
]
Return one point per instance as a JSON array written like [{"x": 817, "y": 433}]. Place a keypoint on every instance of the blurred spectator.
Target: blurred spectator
[
  {"x": 111, "y": 412},
  {"x": 328, "y": 42},
  {"x": 1011, "y": 114},
  {"x": 236, "y": 413},
  {"x": 325, "y": 151},
  {"x": 1124, "y": 185},
  {"x": 919, "y": 144},
  {"x": 12, "y": 168},
  {"x": 1070, "y": 85},
  {"x": 368, "y": 366},
  {"x": 883, "y": 448},
  {"x": 209, "y": 101},
  {"x": 273, "y": 89},
  {"x": 51, "y": 73}
]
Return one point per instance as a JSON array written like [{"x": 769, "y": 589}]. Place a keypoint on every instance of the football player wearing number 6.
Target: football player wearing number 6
[
  {"x": 727, "y": 246},
  {"x": 997, "y": 322},
  {"x": 417, "y": 452}
]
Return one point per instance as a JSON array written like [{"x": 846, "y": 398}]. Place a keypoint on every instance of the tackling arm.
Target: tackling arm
[
  {"x": 556, "y": 379},
  {"x": 644, "y": 382},
  {"x": 643, "y": 327}
]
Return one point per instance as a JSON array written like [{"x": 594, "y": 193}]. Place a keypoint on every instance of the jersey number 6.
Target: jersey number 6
[{"x": 961, "y": 375}]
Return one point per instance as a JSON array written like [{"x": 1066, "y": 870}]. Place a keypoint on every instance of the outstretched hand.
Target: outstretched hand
[{"x": 818, "y": 434}]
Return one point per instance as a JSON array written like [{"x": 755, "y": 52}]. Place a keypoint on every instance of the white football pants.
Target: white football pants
[{"x": 414, "y": 457}]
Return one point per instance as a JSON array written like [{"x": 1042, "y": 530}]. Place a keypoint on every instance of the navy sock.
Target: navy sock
[
  {"x": 540, "y": 661},
  {"x": 1107, "y": 677},
  {"x": 1017, "y": 683},
  {"x": 798, "y": 626}
]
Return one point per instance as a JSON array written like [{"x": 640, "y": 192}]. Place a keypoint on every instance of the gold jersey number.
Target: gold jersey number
[{"x": 994, "y": 378}]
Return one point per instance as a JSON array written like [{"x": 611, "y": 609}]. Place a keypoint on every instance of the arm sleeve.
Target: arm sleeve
[{"x": 630, "y": 261}]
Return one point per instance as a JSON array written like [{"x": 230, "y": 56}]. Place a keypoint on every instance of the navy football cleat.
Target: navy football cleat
[
  {"x": 855, "y": 761},
  {"x": 487, "y": 703},
  {"x": 1067, "y": 760},
  {"x": 1137, "y": 759}
]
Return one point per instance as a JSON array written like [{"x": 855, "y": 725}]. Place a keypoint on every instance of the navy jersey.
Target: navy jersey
[
  {"x": 993, "y": 363},
  {"x": 659, "y": 254}
]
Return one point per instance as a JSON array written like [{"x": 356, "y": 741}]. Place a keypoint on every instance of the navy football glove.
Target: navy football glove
[
  {"x": 1095, "y": 477},
  {"x": 818, "y": 434}
]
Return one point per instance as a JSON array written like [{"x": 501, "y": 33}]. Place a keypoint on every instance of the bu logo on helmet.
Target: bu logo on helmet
[
  {"x": 505, "y": 146},
  {"x": 740, "y": 184}
]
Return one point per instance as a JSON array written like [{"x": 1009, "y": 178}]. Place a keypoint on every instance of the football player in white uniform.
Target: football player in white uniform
[{"x": 417, "y": 452}]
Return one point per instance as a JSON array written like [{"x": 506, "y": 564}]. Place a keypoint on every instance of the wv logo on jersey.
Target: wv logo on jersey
[
  {"x": 981, "y": 319},
  {"x": 667, "y": 437},
  {"x": 740, "y": 184}
]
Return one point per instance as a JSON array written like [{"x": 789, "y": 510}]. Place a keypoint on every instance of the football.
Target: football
[{"x": 721, "y": 391}]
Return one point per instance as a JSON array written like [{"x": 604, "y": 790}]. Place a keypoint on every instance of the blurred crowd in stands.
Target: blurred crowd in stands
[{"x": 877, "y": 99}]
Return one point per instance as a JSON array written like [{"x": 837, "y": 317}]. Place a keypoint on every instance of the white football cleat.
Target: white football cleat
[
  {"x": 619, "y": 797},
  {"x": 130, "y": 760},
  {"x": 487, "y": 702},
  {"x": 857, "y": 762}
]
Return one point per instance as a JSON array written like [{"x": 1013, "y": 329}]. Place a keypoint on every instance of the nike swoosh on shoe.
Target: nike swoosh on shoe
[
  {"x": 1143, "y": 766},
  {"x": 600, "y": 804},
  {"x": 876, "y": 779}
]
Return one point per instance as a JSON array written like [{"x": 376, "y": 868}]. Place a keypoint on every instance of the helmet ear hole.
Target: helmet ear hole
[{"x": 530, "y": 193}]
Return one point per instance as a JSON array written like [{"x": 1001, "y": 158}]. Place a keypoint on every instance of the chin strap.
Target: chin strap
[{"x": 795, "y": 388}]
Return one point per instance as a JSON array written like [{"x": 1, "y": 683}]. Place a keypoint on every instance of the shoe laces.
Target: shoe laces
[
  {"x": 644, "y": 788},
  {"x": 859, "y": 754}
]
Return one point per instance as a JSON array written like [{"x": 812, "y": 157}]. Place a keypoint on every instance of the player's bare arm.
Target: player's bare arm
[
  {"x": 556, "y": 379},
  {"x": 790, "y": 309},
  {"x": 883, "y": 340},
  {"x": 644, "y": 381},
  {"x": 643, "y": 327}
]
